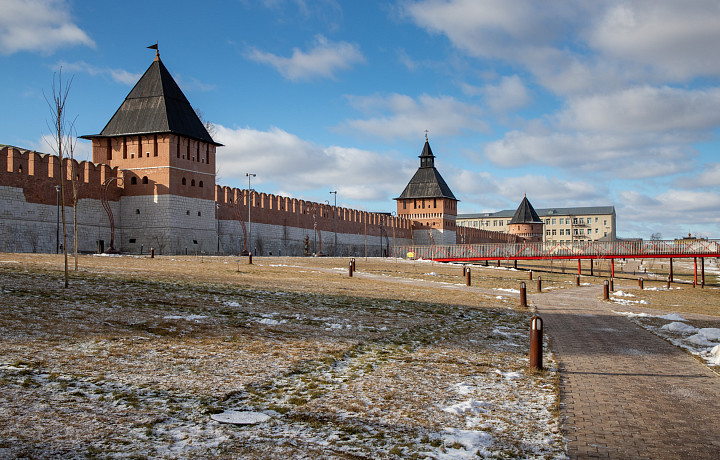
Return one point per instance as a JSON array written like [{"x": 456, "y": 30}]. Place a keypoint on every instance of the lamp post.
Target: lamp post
[
  {"x": 217, "y": 227},
  {"x": 335, "y": 218},
  {"x": 57, "y": 224},
  {"x": 249, "y": 175}
]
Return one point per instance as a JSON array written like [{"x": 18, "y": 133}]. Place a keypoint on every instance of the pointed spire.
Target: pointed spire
[{"x": 525, "y": 213}]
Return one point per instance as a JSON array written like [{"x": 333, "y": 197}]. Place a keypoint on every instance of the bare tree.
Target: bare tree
[{"x": 61, "y": 131}]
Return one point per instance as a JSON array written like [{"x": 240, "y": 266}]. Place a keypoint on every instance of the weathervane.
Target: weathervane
[
  {"x": 157, "y": 51},
  {"x": 426, "y": 133}
]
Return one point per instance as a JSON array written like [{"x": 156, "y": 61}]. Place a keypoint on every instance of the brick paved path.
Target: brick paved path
[{"x": 626, "y": 392}]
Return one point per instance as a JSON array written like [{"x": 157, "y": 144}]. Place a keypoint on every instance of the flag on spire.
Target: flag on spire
[{"x": 153, "y": 47}]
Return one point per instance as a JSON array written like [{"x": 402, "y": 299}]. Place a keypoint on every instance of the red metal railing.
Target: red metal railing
[{"x": 574, "y": 250}]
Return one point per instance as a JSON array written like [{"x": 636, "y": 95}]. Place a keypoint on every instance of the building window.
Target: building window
[
  {"x": 581, "y": 221},
  {"x": 132, "y": 240},
  {"x": 192, "y": 183},
  {"x": 145, "y": 180},
  {"x": 199, "y": 214},
  {"x": 137, "y": 211},
  {"x": 201, "y": 184},
  {"x": 596, "y": 219},
  {"x": 604, "y": 222},
  {"x": 187, "y": 213},
  {"x": 184, "y": 181},
  {"x": 133, "y": 181},
  {"x": 554, "y": 232},
  {"x": 562, "y": 232},
  {"x": 553, "y": 221},
  {"x": 547, "y": 232}
]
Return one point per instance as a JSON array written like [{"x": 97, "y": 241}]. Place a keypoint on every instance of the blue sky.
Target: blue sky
[{"x": 573, "y": 103}]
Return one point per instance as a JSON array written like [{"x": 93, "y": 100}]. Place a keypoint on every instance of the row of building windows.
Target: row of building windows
[
  {"x": 576, "y": 231},
  {"x": 196, "y": 157},
  {"x": 501, "y": 223},
  {"x": 199, "y": 213}
]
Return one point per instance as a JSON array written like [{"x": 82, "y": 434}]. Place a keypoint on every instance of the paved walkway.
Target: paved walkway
[{"x": 626, "y": 393}]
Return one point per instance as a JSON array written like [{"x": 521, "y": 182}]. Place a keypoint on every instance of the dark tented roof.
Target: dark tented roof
[
  {"x": 427, "y": 181},
  {"x": 525, "y": 214},
  {"x": 156, "y": 105}
]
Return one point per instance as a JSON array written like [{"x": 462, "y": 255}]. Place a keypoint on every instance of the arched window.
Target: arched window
[
  {"x": 145, "y": 180},
  {"x": 184, "y": 181},
  {"x": 200, "y": 184},
  {"x": 192, "y": 183},
  {"x": 133, "y": 181}
]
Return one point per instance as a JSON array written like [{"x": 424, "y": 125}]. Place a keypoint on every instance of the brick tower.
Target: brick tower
[
  {"x": 429, "y": 203},
  {"x": 167, "y": 160},
  {"x": 526, "y": 223}
]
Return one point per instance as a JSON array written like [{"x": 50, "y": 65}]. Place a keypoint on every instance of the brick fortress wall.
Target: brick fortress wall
[{"x": 28, "y": 201}]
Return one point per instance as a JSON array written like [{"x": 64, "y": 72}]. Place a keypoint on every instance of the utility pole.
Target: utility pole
[
  {"x": 335, "y": 217},
  {"x": 249, "y": 175}
]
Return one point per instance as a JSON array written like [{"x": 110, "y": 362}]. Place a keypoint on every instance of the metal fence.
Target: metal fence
[{"x": 574, "y": 250}]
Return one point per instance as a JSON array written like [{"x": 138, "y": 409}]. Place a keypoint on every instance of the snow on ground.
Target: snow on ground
[
  {"x": 123, "y": 367},
  {"x": 703, "y": 342}
]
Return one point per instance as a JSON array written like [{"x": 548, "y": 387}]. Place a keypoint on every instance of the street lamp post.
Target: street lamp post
[
  {"x": 249, "y": 175},
  {"x": 335, "y": 218},
  {"x": 57, "y": 225}
]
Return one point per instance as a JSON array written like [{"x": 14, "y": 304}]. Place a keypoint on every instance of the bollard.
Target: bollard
[
  {"x": 668, "y": 282},
  {"x": 464, "y": 270},
  {"x": 468, "y": 278},
  {"x": 612, "y": 282},
  {"x": 577, "y": 280},
  {"x": 640, "y": 283},
  {"x": 539, "y": 284},
  {"x": 249, "y": 258},
  {"x": 530, "y": 275},
  {"x": 350, "y": 269},
  {"x": 523, "y": 295},
  {"x": 152, "y": 253},
  {"x": 498, "y": 262},
  {"x": 353, "y": 263},
  {"x": 606, "y": 290},
  {"x": 536, "y": 339}
]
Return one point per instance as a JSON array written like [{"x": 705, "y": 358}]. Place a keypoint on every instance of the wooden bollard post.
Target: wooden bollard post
[
  {"x": 152, "y": 253},
  {"x": 536, "y": 341},
  {"x": 353, "y": 263},
  {"x": 612, "y": 287},
  {"x": 498, "y": 262},
  {"x": 523, "y": 295},
  {"x": 640, "y": 283},
  {"x": 468, "y": 278},
  {"x": 350, "y": 269},
  {"x": 539, "y": 284},
  {"x": 249, "y": 258},
  {"x": 530, "y": 275},
  {"x": 668, "y": 282},
  {"x": 577, "y": 280},
  {"x": 606, "y": 290},
  {"x": 464, "y": 270}
]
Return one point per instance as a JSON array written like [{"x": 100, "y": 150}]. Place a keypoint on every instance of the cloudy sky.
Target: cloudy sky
[{"x": 573, "y": 103}]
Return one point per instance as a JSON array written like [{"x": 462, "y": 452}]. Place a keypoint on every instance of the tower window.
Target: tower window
[
  {"x": 192, "y": 183},
  {"x": 145, "y": 180},
  {"x": 201, "y": 184},
  {"x": 133, "y": 181},
  {"x": 184, "y": 181}
]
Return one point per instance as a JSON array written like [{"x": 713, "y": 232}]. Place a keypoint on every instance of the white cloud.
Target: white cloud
[
  {"x": 709, "y": 177},
  {"x": 644, "y": 109},
  {"x": 677, "y": 39},
  {"x": 323, "y": 60},
  {"x": 401, "y": 116},
  {"x": 38, "y": 26},
  {"x": 631, "y": 157},
  {"x": 299, "y": 166},
  {"x": 510, "y": 93},
  {"x": 119, "y": 75}
]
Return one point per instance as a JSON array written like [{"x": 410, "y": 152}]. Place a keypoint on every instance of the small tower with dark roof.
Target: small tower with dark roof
[
  {"x": 167, "y": 160},
  {"x": 429, "y": 203},
  {"x": 526, "y": 223}
]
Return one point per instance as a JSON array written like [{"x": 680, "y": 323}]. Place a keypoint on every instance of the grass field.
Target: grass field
[{"x": 401, "y": 360}]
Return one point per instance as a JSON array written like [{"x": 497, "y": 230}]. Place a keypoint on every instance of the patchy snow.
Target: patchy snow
[
  {"x": 235, "y": 417},
  {"x": 511, "y": 291},
  {"x": 700, "y": 341},
  {"x": 186, "y": 317}
]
